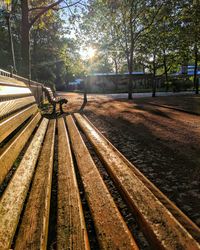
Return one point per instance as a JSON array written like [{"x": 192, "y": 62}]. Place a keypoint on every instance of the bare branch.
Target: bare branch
[
  {"x": 51, "y": 6},
  {"x": 69, "y": 8},
  {"x": 83, "y": 4}
]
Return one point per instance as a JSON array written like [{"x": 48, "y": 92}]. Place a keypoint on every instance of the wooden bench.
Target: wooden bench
[
  {"x": 53, "y": 100},
  {"x": 31, "y": 146}
]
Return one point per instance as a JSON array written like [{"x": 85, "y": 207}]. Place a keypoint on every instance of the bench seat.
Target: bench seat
[{"x": 33, "y": 148}]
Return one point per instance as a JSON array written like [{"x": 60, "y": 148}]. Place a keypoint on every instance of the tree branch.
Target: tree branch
[
  {"x": 37, "y": 8},
  {"x": 45, "y": 9},
  {"x": 150, "y": 24}
]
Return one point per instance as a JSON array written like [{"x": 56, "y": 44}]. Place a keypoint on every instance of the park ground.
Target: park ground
[{"x": 164, "y": 144}]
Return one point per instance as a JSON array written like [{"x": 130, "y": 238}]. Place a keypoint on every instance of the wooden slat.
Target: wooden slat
[
  {"x": 11, "y": 203},
  {"x": 11, "y": 81},
  {"x": 112, "y": 231},
  {"x": 10, "y": 106},
  {"x": 33, "y": 232},
  {"x": 71, "y": 229},
  {"x": 13, "y": 91},
  {"x": 11, "y": 151},
  {"x": 51, "y": 93},
  {"x": 190, "y": 226},
  {"x": 9, "y": 125},
  {"x": 162, "y": 229}
]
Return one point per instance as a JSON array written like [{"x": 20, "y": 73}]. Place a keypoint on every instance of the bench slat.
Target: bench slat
[
  {"x": 10, "y": 106},
  {"x": 33, "y": 231},
  {"x": 6, "y": 91},
  {"x": 11, "y": 203},
  {"x": 11, "y": 81},
  {"x": 163, "y": 230},
  {"x": 190, "y": 226},
  {"x": 9, "y": 125},
  {"x": 11, "y": 151},
  {"x": 112, "y": 231},
  {"x": 71, "y": 229}
]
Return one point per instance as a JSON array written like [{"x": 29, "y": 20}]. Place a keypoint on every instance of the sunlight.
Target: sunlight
[
  {"x": 7, "y": 90},
  {"x": 87, "y": 53}
]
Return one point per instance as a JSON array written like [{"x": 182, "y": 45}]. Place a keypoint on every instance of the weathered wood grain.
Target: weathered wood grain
[
  {"x": 9, "y": 125},
  {"x": 112, "y": 231},
  {"x": 7, "y": 107},
  {"x": 162, "y": 229},
  {"x": 71, "y": 229},
  {"x": 11, "y": 81},
  {"x": 33, "y": 232},
  {"x": 12, "y": 201},
  {"x": 11, "y": 152}
]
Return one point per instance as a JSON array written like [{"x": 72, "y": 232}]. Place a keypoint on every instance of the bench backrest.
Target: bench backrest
[
  {"x": 17, "y": 109},
  {"x": 49, "y": 94},
  {"x": 22, "y": 132}
]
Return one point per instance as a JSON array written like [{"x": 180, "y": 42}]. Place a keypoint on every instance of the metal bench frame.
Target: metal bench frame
[{"x": 53, "y": 100}]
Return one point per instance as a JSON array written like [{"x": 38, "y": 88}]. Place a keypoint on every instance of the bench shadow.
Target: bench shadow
[{"x": 63, "y": 114}]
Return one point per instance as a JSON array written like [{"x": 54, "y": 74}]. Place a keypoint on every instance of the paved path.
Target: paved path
[
  {"x": 139, "y": 95},
  {"x": 186, "y": 100}
]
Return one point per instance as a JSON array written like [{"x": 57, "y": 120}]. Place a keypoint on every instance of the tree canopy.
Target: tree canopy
[{"x": 50, "y": 38}]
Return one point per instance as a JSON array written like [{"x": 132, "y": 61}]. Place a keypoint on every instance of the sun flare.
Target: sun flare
[{"x": 87, "y": 53}]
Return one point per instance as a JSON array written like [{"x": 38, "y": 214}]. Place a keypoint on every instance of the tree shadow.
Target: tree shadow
[
  {"x": 148, "y": 137},
  {"x": 150, "y": 153},
  {"x": 153, "y": 111}
]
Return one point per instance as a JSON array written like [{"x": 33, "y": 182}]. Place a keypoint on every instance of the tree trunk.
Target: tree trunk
[
  {"x": 12, "y": 52},
  {"x": 165, "y": 70},
  {"x": 116, "y": 72},
  {"x": 154, "y": 77},
  {"x": 154, "y": 87},
  {"x": 196, "y": 83},
  {"x": 34, "y": 54},
  {"x": 130, "y": 64},
  {"x": 25, "y": 43},
  {"x": 116, "y": 66},
  {"x": 130, "y": 67},
  {"x": 164, "y": 57},
  {"x": 130, "y": 83}
]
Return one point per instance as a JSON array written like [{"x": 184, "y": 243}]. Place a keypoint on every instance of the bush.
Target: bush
[{"x": 181, "y": 84}]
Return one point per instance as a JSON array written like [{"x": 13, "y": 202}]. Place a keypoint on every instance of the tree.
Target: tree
[
  {"x": 135, "y": 18},
  {"x": 194, "y": 25},
  {"x": 120, "y": 27},
  {"x": 48, "y": 52},
  {"x": 148, "y": 53},
  {"x": 31, "y": 13}
]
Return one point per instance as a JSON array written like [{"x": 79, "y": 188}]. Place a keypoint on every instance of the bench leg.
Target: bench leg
[
  {"x": 54, "y": 109},
  {"x": 61, "y": 109}
]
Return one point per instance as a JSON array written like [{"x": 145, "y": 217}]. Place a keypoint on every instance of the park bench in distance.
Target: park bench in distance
[
  {"x": 29, "y": 142},
  {"x": 53, "y": 100}
]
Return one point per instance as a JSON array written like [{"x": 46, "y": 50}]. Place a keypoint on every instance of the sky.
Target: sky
[{"x": 86, "y": 53}]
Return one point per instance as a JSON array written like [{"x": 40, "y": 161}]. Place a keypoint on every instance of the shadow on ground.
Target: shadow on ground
[{"x": 175, "y": 173}]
